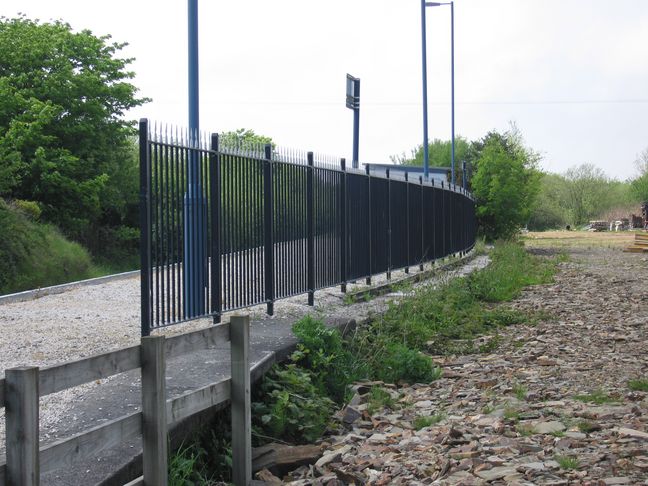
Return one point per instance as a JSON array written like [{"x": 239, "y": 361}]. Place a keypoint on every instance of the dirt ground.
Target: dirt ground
[
  {"x": 556, "y": 403},
  {"x": 579, "y": 239}
]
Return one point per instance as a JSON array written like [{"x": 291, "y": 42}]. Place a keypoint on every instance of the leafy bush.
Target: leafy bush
[
  {"x": 290, "y": 406},
  {"x": 30, "y": 209},
  {"x": 401, "y": 363},
  {"x": 323, "y": 351}
]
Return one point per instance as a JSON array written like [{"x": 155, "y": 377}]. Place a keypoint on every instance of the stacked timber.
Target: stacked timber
[
  {"x": 599, "y": 226},
  {"x": 640, "y": 244}
]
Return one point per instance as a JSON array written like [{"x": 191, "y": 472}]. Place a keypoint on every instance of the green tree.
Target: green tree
[
  {"x": 440, "y": 155},
  {"x": 548, "y": 211},
  {"x": 505, "y": 183},
  {"x": 63, "y": 140},
  {"x": 587, "y": 193},
  {"x": 244, "y": 138},
  {"x": 639, "y": 185}
]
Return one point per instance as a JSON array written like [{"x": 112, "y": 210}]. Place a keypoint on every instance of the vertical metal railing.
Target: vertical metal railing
[{"x": 274, "y": 223}]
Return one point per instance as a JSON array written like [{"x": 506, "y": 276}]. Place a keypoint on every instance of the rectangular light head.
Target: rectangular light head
[{"x": 352, "y": 92}]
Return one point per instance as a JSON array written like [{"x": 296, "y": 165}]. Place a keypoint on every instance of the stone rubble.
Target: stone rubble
[{"x": 550, "y": 406}]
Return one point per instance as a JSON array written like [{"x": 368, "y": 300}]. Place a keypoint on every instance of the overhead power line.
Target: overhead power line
[{"x": 418, "y": 103}]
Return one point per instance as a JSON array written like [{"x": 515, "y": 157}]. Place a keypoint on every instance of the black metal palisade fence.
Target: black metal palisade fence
[{"x": 281, "y": 223}]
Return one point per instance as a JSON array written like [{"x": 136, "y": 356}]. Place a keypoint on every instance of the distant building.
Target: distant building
[{"x": 438, "y": 174}]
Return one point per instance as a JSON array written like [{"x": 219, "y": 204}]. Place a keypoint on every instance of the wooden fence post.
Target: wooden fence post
[
  {"x": 21, "y": 416},
  {"x": 240, "y": 399},
  {"x": 154, "y": 424}
]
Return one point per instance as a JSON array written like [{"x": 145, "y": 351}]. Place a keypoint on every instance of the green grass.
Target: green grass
[
  {"x": 423, "y": 421},
  {"x": 511, "y": 414},
  {"x": 34, "y": 255},
  {"x": 184, "y": 466},
  {"x": 520, "y": 391},
  {"x": 638, "y": 385},
  {"x": 586, "y": 426},
  {"x": 445, "y": 318},
  {"x": 379, "y": 399},
  {"x": 524, "y": 430},
  {"x": 598, "y": 397},
  {"x": 567, "y": 462}
]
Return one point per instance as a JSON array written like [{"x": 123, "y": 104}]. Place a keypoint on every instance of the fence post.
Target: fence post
[
  {"x": 407, "y": 220},
  {"x": 154, "y": 424},
  {"x": 368, "y": 281},
  {"x": 310, "y": 216},
  {"x": 443, "y": 223},
  {"x": 422, "y": 225},
  {"x": 240, "y": 399},
  {"x": 268, "y": 215},
  {"x": 389, "y": 226},
  {"x": 343, "y": 226},
  {"x": 21, "y": 418},
  {"x": 145, "y": 228},
  {"x": 215, "y": 203}
]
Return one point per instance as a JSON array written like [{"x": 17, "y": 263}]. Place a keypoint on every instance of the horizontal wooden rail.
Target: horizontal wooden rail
[
  {"x": 84, "y": 444},
  {"x": 197, "y": 340},
  {"x": 61, "y": 377},
  {"x": 198, "y": 400},
  {"x": 53, "y": 379}
]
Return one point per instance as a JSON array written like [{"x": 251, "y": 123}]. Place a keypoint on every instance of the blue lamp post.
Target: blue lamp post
[
  {"x": 194, "y": 274},
  {"x": 426, "y": 155}
]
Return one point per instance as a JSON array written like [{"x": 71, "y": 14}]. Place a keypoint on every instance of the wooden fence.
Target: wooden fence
[{"x": 22, "y": 387}]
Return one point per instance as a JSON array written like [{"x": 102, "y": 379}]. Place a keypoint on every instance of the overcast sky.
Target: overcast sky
[{"x": 572, "y": 74}]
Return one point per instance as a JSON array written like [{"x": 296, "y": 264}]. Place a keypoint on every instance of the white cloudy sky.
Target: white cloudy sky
[{"x": 573, "y": 74}]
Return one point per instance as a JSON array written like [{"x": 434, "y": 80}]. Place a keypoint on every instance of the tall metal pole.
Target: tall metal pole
[
  {"x": 194, "y": 203},
  {"x": 426, "y": 153},
  {"x": 453, "y": 86},
  {"x": 193, "y": 65}
]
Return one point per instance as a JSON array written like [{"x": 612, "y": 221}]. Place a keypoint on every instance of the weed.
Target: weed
[
  {"x": 488, "y": 409},
  {"x": 567, "y": 462},
  {"x": 524, "y": 430},
  {"x": 324, "y": 351},
  {"x": 511, "y": 414},
  {"x": 349, "y": 299},
  {"x": 400, "y": 363},
  {"x": 421, "y": 421},
  {"x": 511, "y": 269},
  {"x": 586, "y": 426},
  {"x": 558, "y": 433},
  {"x": 480, "y": 247},
  {"x": 520, "y": 391},
  {"x": 379, "y": 399},
  {"x": 638, "y": 385},
  {"x": 452, "y": 313},
  {"x": 490, "y": 345},
  {"x": 598, "y": 397},
  {"x": 187, "y": 466},
  {"x": 292, "y": 407}
]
